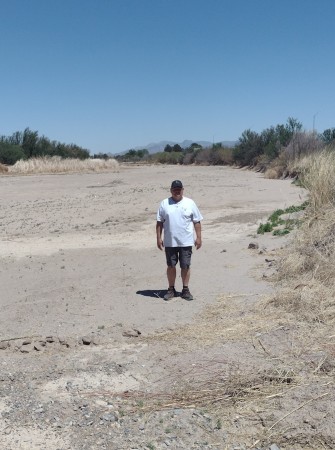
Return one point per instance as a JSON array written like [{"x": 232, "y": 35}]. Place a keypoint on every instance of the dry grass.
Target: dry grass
[
  {"x": 56, "y": 164},
  {"x": 264, "y": 398},
  {"x": 318, "y": 176},
  {"x": 217, "y": 323},
  {"x": 307, "y": 271},
  {"x": 272, "y": 174}
]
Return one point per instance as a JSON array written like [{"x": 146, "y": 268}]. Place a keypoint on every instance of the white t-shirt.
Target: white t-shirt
[{"x": 178, "y": 221}]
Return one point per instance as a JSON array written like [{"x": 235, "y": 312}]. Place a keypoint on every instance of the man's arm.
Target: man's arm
[
  {"x": 159, "y": 230},
  {"x": 198, "y": 241}
]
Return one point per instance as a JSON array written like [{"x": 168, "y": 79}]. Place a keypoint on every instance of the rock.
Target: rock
[
  {"x": 253, "y": 245},
  {"x": 63, "y": 341},
  {"x": 25, "y": 349},
  {"x": 86, "y": 340},
  {"x": 4, "y": 345},
  {"x": 38, "y": 347},
  {"x": 274, "y": 447},
  {"x": 50, "y": 339},
  {"x": 108, "y": 417},
  {"x": 39, "y": 410},
  {"x": 131, "y": 333},
  {"x": 26, "y": 342}
]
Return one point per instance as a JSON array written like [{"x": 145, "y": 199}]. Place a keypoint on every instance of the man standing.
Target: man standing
[{"x": 179, "y": 217}]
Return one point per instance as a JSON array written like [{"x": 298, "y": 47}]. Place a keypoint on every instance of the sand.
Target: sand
[{"x": 78, "y": 257}]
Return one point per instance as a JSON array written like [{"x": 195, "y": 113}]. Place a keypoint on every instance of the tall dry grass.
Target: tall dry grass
[
  {"x": 318, "y": 176},
  {"x": 306, "y": 273},
  {"x": 56, "y": 164}
]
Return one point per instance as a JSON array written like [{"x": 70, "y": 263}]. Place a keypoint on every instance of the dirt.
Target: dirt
[{"x": 93, "y": 357}]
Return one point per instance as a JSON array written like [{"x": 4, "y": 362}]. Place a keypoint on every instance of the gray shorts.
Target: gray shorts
[{"x": 181, "y": 254}]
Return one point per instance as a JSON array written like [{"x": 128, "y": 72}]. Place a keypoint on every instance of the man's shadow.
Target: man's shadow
[{"x": 156, "y": 293}]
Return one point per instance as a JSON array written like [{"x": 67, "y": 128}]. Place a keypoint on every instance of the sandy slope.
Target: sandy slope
[{"x": 78, "y": 257}]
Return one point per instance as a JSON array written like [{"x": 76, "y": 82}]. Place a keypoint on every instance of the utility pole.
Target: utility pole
[{"x": 314, "y": 122}]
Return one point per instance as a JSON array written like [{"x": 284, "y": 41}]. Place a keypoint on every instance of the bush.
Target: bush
[
  {"x": 167, "y": 157},
  {"x": 275, "y": 220},
  {"x": 9, "y": 153}
]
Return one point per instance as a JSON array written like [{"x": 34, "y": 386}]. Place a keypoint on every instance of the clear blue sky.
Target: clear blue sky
[{"x": 110, "y": 75}]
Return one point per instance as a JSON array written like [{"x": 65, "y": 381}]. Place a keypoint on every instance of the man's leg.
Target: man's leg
[
  {"x": 185, "y": 263},
  {"x": 185, "y": 276},
  {"x": 171, "y": 275}
]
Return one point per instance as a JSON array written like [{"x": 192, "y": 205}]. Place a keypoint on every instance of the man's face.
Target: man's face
[{"x": 177, "y": 194}]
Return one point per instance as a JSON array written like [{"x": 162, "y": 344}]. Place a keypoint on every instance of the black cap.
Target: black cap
[{"x": 176, "y": 184}]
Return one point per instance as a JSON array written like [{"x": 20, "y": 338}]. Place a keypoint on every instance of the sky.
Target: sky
[{"x": 111, "y": 75}]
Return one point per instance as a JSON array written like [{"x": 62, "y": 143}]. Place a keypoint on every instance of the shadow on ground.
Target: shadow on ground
[{"x": 156, "y": 293}]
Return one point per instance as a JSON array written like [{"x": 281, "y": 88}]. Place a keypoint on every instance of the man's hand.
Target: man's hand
[
  {"x": 159, "y": 229},
  {"x": 160, "y": 244},
  {"x": 198, "y": 243}
]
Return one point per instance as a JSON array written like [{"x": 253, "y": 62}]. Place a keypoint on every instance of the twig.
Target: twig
[
  {"x": 261, "y": 344},
  {"x": 240, "y": 295},
  {"x": 320, "y": 364},
  {"x": 296, "y": 409},
  {"x": 17, "y": 338}
]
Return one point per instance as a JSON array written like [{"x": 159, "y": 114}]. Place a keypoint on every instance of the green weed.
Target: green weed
[{"x": 275, "y": 221}]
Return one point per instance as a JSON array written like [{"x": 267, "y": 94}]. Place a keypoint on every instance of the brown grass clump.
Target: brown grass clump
[
  {"x": 3, "y": 168},
  {"x": 271, "y": 174},
  {"x": 216, "y": 323},
  {"x": 56, "y": 164},
  {"x": 306, "y": 273}
]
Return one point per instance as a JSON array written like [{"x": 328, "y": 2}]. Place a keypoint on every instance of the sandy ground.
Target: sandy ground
[{"x": 78, "y": 258}]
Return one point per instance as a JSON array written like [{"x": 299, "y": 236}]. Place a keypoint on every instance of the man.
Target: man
[{"x": 179, "y": 217}]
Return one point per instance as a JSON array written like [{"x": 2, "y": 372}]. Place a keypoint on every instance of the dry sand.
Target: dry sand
[{"x": 78, "y": 257}]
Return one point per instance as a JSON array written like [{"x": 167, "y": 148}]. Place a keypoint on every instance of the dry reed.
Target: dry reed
[{"x": 56, "y": 164}]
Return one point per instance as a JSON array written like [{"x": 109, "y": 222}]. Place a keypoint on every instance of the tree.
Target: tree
[
  {"x": 10, "y": 153},
  {"x": 168, "y": 148},
  {"x": 29, "y": 142},
  {"x": 328, "y": 135},
  {"x": 293, "y": 125},
  {"x": 177, "y": 148},
  {"x": 269, "y": 143},
  {"x": 250, "y": 146},
  {"x": 142, "y": 153}
]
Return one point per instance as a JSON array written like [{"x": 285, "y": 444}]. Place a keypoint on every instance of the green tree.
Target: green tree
[
  {"x": 177, "y": 148},
  {"x": 249, "y": 147},
  {"x": 328, "y": 135},
  {"x": 10, "y": 153},
  {"x": 29, "y": 142},
  {"x": 269, "y": 142},
  {"x": 142, "y": 153}
]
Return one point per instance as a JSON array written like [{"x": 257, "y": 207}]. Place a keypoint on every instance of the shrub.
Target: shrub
[
  {"x": 9, "y": 153},
  {"x": 167, "y": 157},
  {"x": 275, "y": 220}
]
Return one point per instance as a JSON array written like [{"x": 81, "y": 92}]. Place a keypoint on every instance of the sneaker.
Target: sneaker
[
  {"x": 171, "y": 293},
  {"x": 186, "y": 294}
]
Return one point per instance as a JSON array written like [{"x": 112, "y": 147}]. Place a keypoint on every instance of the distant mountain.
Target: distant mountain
[{"x": 155, "y": 147}]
